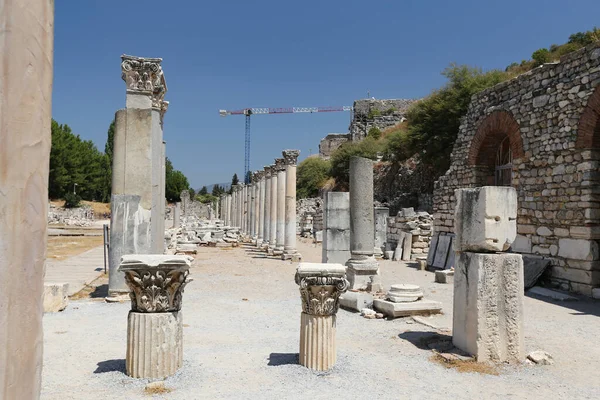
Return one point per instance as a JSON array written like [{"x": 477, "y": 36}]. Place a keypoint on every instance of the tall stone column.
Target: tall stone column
[
  {"x": 155, "y": 324},
  {"x": 260, "y": 212},
  {"x": 273, "y": 211},
  {"x": 363, "y": 269},
  {"x": 320, "y": 288},
  {"x": 242, "y": 194},
  {"x": 163, "y": 193},
  {"x": 229, "y": 210},
  {"x": 289, "y": 247},
  {"x": 137, "y": 201},
  {"x": 280, "y": 224},
  {"x": 234, "y": 205},
  {"x": 177, "y": 215},
  {"x": 248, "y": 209},
  {"x": 267, "y": 211},
  {"x": 26, "y": 48}
]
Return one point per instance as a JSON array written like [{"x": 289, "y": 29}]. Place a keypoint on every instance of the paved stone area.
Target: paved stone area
[
  {"x": 241, "y": 318},
  {"x": 78, "y": 270}
]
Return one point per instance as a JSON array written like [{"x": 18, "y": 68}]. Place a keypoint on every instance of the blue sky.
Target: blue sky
[{"x": 234, "y": 54}]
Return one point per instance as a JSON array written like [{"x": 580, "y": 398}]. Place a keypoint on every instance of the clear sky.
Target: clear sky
[{"x": 237, "y": 54}]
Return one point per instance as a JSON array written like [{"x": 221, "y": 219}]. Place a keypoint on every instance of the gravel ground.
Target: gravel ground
[{"x": 247, "y": 349}]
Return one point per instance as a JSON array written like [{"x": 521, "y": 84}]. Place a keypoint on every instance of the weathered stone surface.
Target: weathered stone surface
[
  {"x": 488, "y": 306},
  {"x": 444, "y": 276},
  {"x": 154, "y": 344},
  {"x": 356, "y": 300},
  {"x": 26, "y": 48},
  {"x": 540, "y": 357},
  {"x": 404, "y": 293},
  {"x": 56, "y": 296},
  {"x": 394, "y": 310},
  {"x": 336, "y": 238},
  {"x": 485, "y": 218},
  {"x": 578, "y": 249}
]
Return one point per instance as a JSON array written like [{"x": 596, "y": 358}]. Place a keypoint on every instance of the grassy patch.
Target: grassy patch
[
  {"x": 156, "y": 388},
  {"x": 62, "y": 247},
  {"x": 465, "y": 366}
]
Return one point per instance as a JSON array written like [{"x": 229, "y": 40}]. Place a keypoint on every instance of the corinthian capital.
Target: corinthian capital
[
  {"x": 290, "y": 157},
  {"x": 320, "y": 287},
  {"x": 279, "y": 164},
  {"x": 145, "y": 76},
  {"x": 156, "y": 281}
]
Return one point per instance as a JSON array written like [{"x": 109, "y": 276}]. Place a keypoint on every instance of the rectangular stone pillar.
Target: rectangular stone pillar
[
  {"x": 280, "y": 236},
  {"x": 138, "y": 159},
  {"x": 26, "y": 48},
  {"x": 363, "y": 269},
  {"x": 289, "y": 246},
  {"x": 381, "y": 217},
  {"x": 488, "y": 286},
  {"x": 336, "y": 221}
]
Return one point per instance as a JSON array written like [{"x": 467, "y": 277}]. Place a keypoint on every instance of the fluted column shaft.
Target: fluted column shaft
[
  {"x": 280, "y": 210},
  {"x": 273, "y": 213},
  {"x": 261, "y": 211},
  {"x": 267, "y": 211}
]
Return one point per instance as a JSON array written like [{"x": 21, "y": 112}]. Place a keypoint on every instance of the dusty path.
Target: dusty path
[{"x": 241, "y": 316}]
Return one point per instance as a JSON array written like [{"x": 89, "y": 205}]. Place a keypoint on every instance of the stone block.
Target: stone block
[
  {"x": 56, "y": 296},
  {"x": 488, "y": 306},
  {"x": 356, "y": 300},
  {"x": 485, "y": 218},
  {"x": 444, "y": 276},
  {"x": 596, "y": 293},
  {"x": 522, "y": 244},
  {"x": 318, "y": 236},
  {"x": 578, "y": 249},
  {"x": 395, "y": 310},
  {"x": 553, "y": 294}
]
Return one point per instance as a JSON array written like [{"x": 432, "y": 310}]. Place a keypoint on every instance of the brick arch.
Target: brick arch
[
  {"x": 492, "y": 130},
  {"x": 588, "y": 132}
]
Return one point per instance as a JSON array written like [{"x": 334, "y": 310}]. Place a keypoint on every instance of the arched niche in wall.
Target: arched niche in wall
[
  {"x": 495, "y": 144},
  {"x": 588, "y": 132}
]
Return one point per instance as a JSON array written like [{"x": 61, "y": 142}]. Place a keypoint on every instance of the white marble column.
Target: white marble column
[
  {"x": 234, "y": 205},
  {"x": 26, "y": 48},
  {"x": 260, "y": 212},
  {"x": 273, "y": 211},
  {"x": 289, "y": 246},
  {"x": 228, "y": 223},
  {"x": 280, "y": 163},
  {"x": 267, "y": 210}
]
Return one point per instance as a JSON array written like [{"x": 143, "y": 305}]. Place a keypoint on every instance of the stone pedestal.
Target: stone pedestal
[
  {"x": 336, "y": 226},
  {"x": 154, "y": 344},
  {"x": 154, "y": 324},
  {"x": 363, "y": 269},
  {"x": 488, "y": 306},
  {"x": 320, "y": 288},
  {"x": 280, "y": 220},
  {"x": 26, "y": 49},
  {"x": 289, "y": 247}
]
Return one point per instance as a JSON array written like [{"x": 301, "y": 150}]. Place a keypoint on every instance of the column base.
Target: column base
[
  {"x": 278, "y": 251},
  {"x": 154, "y": 344},
  {"x": 291, "y": 255},
  {"x": 317, "y": 341},
  {"x": 363, "y": 273}
]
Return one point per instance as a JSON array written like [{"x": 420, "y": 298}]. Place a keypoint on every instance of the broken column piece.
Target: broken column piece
[
  {"x": 154, "y": 324},
  {"x": 320, "y": 288},
  {"x": 363, "y": 269},
  {"x": 488, "y": 286},
  {"x": 336, "y": 226}
]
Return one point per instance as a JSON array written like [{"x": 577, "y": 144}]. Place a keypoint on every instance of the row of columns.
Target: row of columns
[{"x": 265, "y": 209}]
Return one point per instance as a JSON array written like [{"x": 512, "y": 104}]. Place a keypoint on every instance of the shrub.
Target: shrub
[
  {"x": 72, "y": 200},
  {"x": 374, "y": 132},
  {"x": 397, "y": 146},
  {"x": 541, "y": 56},
  {"x": 312, "y": 173},
  {"x": 374, "y": 113},
  {"x": 340, "y": 159}
]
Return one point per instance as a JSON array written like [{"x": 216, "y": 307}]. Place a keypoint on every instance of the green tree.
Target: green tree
[
  {"x": 234, "y": 181},
  {"x": 397, "y": 146},
  {"x": 541, "y": 56},
  {"x": 203, "y": 191},
  {"x": 340, "y": 158},
  {"x": 175, "y": 183},
  {"x": 311, "y": 174},
  {"x": 375, "y": 133},
  {"x": 217, "y": 190},
  {"x": 434, "y": 121}
]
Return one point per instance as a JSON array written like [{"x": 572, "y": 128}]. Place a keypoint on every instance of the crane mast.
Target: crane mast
[{"x": 247, "y": 112}]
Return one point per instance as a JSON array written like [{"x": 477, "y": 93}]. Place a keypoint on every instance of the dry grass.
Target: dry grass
[
  {"x": 465, "y": 366},
  {"x": 62, "y": 247},
  {"x": 156, "y": 388},
  {"x": 99, "y": 208}
]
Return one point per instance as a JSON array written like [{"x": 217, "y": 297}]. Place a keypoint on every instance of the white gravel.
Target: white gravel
[{"x": 248, "y": 349}]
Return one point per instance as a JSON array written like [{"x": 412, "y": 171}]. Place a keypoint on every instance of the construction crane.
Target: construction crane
[{"x": 286, "y": 110}]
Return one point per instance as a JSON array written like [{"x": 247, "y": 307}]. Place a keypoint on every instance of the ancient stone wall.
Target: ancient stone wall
[
  {"x": 309, "y": 215},
  {"x": 416, "y": 224},
  {"x": 543, "y": 128},
  {"x": 330, "y": 143},
  {"x": 382, "y": 114}
]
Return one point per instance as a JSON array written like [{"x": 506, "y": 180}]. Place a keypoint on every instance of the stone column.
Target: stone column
[
  {"x": 336, "y": 227},
  {"x": 260, "y": 212},
  {"x": 267, "y": 211},
  {"x": 228, "y": 210},
  {"x": 137, "y": 203},
  {"x": 280, "y": 224},
  {"x": 177, "y": 215},
  {"x": 234, "y": 205},
  {"x": 363, "y": 269},
  {"x": 320, "y": 288},
  {"x": 26, "y": 48},
  {"x": 273, "y": 211},
  {"x": 488, "y": 285},
  {"x": 154, "y": 324},
  {"x": 381, "y": 222},
  {"x": 163, "y": 199},
  {"x": 248, "y": 209},
  {"x": 289, "y": 247}
]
